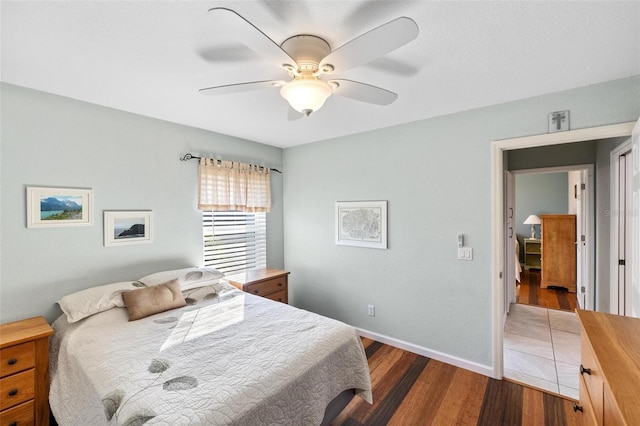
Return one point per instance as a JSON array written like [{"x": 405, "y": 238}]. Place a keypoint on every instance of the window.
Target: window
[{"x": 234, "y": 241}]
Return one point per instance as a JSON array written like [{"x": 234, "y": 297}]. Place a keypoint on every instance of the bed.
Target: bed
[{"x": 227, "y": 357}]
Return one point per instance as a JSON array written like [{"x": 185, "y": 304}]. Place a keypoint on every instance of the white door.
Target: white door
[
  {"x": 624, "y": 236},
  {"x": 634, "y": 292},
  {"x": 510, "y": 257},
  {"x": 580, "y": 241}
]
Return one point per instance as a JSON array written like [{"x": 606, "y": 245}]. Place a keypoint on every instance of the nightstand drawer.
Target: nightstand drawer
[
  {"x": 19, "y": 415},
  {"x": 17, "y": 358},
  {"x": 279, "y": 296},
  {"x": 16, "y": 389},
  {"x": 263, "y": 288}
]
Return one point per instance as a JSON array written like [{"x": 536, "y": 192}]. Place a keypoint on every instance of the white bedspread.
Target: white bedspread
[{"x": 235, "y": 359}]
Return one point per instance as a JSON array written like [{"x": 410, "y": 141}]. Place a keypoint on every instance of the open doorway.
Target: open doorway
[
  {"x": 499, "y": 160},
  {"x": 556, "y": 195},
  {"x": 552, "y": 209}
]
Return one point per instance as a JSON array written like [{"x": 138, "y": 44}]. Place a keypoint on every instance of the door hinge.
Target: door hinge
[
  {"x": 621, "y": 262},
  {"x": 583, "y": 238},
  {"x": 583, "y": 289},
  {"x": 583, "y": 186}
]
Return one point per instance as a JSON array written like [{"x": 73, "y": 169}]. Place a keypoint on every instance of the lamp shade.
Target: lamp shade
[
  {"x": 532, "y": 220},
  {"x": 306, "y": 95}
]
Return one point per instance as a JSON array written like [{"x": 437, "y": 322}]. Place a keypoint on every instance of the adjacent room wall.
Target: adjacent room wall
[
  {"x": 568, "y": 154},
  {"x": 132, "y": 163},
  {"x": 544, "y": 193},
  {"x": 436, "y": 176}
]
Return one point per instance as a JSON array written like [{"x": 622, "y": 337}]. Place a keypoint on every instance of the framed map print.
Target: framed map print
[{"x": 361, "y": 224}]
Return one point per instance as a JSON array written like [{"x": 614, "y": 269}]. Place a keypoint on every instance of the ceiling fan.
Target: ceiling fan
[{"x": 309, "y": 58}]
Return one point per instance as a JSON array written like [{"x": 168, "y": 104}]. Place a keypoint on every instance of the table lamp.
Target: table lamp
[{"x": 533, "y": 220}]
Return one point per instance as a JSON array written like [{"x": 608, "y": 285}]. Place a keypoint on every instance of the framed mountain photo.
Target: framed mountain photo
[
  {"x": 127, "y": 227},
  {"x": 59, "y": 207}
]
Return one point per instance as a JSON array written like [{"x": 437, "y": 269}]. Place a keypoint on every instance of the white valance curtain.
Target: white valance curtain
[{"x": 227, "y": 185}]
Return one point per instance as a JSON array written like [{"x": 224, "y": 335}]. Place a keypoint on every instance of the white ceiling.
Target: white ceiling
[{"x": 151, "y": 57}]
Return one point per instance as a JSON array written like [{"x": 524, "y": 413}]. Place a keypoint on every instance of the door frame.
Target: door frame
[
  {"x": 497, "y": 211},
  {"x": 614, "y": 187}
]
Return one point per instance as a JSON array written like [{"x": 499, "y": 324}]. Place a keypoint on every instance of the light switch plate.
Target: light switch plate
[{"x": 465, "y": 253}]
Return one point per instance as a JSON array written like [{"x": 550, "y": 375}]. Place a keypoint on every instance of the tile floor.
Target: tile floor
[{"x": 542, "y": 349}]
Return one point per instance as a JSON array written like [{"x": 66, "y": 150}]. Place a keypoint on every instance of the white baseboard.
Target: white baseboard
[{"x": 429, "y": 353}]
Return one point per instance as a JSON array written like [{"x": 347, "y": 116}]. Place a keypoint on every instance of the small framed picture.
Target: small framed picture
[
  {"x": 361, "y": 224},
  {"x": 127, "y": 227},
  {"x": 59, "y": 207}
]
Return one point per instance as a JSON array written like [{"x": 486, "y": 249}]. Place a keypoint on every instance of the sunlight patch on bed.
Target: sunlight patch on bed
[{"x": 199, "y": 322}]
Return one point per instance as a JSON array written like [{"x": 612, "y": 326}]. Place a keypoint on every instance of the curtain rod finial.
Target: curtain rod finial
[{"x": 187, "y": 157}]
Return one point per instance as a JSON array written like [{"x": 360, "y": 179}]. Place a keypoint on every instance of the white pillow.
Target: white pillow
[
  {"x": 188, "y": 277},
  {"x": 87, "y": 302}
]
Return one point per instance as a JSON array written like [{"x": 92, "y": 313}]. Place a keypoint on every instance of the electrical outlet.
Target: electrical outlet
[{"x": 372, "y": 310}]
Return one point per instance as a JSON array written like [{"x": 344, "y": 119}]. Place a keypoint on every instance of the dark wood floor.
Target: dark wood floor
[
  {"x": 409, "y": 389},
  {"x": 528, "y": 292}
]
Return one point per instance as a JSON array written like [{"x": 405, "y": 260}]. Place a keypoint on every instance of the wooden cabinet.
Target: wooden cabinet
[
  {"x": 265, "y": 282},
  {"x": 558, "y": 251},
  {"x": 532, "y": 253},
  {"x": 24, "y": 372},
  {"x": 609, "y": 373}
]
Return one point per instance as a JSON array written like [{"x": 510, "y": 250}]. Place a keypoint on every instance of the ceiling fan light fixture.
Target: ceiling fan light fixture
[{"x": 306, "y": 95}]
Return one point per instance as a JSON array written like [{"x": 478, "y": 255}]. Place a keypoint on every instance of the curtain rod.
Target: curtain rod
[{"x": 188, "y": 157}]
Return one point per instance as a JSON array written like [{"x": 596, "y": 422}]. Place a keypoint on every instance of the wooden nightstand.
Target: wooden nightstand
[
  {"x": 532, "y": 254},
  {"x": 24, "y": 372},
  {"x": 266, "y": 282}
]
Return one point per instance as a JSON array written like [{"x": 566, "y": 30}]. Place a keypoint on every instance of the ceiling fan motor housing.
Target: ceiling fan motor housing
[{"x": 307, "y": 50}]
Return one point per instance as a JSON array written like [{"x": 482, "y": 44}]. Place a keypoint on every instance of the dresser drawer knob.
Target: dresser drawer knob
[
  {"x": 577, "y": 408},
  {"x": 13, "y": 424},
  {"x": 256, "y": 291},
  {"x": 12, "y": 361},
  {"x": 13, "y": 392},
  {"x": 585, "y": 370},
  {"x": 279, "y": 284}
]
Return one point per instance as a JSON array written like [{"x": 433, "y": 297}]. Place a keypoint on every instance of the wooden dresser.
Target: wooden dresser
[
  {"x": 558, "y": 251},
  {"x": 24, "y": 372},
  {"x": 610, "y": 369},
  {"x": 266, "y": 282}
]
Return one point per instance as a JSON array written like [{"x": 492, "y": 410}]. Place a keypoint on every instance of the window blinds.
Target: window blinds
[{"x": 234, "y": 241}]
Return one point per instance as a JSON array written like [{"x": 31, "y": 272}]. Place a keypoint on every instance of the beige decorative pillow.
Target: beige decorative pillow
[{"x": 152, "y": 300}]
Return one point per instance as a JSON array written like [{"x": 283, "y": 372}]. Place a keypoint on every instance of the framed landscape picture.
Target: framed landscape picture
[
  {"x": 59, "y": 207},
  {"x": 127, "y": 227},
  {"x": 361, "y": 224}
]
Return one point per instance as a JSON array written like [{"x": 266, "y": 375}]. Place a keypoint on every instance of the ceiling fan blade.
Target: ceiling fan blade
[
  {"x": 251, "y": 36},
  {"x": 363, "y": 92},
  {"x": 372, "y": 44},
  {"x": 241, "y": 87}
]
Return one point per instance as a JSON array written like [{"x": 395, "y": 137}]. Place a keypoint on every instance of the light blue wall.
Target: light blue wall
[
  {"x": 434, "y": 173},
  {"x": 436, "y": 176},
  {"x": 131, "y": 162},
  {"x": 539, "y": 194}
]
